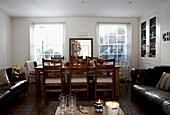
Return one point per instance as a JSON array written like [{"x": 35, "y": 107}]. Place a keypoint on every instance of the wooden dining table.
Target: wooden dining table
[{"x": 65, "y": 68}]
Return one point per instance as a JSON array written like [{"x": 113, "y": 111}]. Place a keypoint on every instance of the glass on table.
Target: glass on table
[
  {"x": 72, "y": 104},
  {"x": 63, "y": 103},
  {"x": 65, "y": 95}
]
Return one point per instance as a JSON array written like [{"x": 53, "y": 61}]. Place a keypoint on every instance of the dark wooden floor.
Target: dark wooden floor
[{"x": 30, "y": 105}]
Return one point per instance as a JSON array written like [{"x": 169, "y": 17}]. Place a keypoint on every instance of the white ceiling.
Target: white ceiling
[{"x": 54, "y": 8}]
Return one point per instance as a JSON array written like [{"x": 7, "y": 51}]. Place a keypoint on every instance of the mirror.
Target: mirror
[{"x": 80, "y": 47}]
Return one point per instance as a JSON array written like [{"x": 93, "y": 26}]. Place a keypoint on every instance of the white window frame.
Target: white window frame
[
  {"x": 32, "y": 45},
  {"x": 125, "y": 44}
]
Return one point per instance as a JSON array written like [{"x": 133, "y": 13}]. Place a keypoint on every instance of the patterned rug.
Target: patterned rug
[{"x": 52, "y": 107}]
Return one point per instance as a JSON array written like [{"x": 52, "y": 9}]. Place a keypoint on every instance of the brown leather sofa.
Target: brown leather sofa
[
  {"x": 9, "y": 92},
  {"x": 143, "y": 90}
]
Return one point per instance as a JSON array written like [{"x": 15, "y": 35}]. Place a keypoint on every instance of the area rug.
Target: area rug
[{"x": 52, "y": 107}]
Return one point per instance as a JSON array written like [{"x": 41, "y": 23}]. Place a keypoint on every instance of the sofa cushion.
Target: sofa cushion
[
  {"x": 141, "y": 89},
  {"x": 4, "y": 96},
  {"x": 3, "y": 77},
  {"x": 5, "y": 87},
  {"x": 166, "y": 106},
  {"x": 157, "y": 96},
  {"x": 164, "y": 82},
  {"x": 151, "y": 77}
]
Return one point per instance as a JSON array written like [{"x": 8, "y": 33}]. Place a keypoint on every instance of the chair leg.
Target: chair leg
[
  {"x": 44, "y": 92},
  {"x": 95, "y": 92},
  {"x": 126, "y": 86},
  {"x": 70, "y": 88},
  {"x": 62, "y": 87},
  {"x": 87, "y": 91},
  {"x": 28, "y": 79},
  {"x": 112, "y": 92}
]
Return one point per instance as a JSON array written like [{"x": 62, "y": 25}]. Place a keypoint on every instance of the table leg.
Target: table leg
[
  {"x": 37, "y": 80},
  {"x": 117, "y": 83}
]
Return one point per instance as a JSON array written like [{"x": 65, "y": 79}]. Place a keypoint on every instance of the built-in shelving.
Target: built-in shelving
[
  {"x": 152, "y": 36},
  {"x": 143, "y": 39},
  {"x": 149, "y": 41}
]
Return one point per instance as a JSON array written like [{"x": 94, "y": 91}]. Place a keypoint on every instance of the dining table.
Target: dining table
[{"x": 65, "y": 68}]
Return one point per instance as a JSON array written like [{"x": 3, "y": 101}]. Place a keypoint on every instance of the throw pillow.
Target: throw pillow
[
  {"x": 164, "y": 82},
  {"x": 3, "y": 77}
]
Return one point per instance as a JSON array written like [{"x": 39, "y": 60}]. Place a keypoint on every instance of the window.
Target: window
[
  {"x": 46, "y": 41},
  {"x": 112, "y": 41}
]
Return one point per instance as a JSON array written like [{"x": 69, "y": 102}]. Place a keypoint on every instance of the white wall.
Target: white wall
[
  {"x": 21, "y": 26},
  {"x": 165, "y": 27},
  {"x": 5, "y": 41},
  {"x": 164, "y": 24}
]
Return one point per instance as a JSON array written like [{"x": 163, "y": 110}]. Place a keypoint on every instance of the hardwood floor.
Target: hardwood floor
[{"x": 30, "y": 105}]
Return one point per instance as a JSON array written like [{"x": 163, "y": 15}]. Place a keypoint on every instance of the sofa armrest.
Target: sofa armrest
[
  {"x": 14, "y": 78},
  {"x": 138, "y": 76}
]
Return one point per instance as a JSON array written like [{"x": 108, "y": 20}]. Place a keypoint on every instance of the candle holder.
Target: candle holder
[
  {"x": 98, "y": 106},
  {"x": 112, "y": 108}
]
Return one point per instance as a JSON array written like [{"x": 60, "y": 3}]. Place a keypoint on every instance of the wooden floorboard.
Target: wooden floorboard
[{"x": 30, "y": 105}]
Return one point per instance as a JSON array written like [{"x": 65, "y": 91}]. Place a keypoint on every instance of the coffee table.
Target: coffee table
[{"x": 90, "y": 111}]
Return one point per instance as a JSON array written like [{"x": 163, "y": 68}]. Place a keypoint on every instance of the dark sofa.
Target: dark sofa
[
  {"x": 143, "y": 89},
  {"x": 10, "y": 91}
]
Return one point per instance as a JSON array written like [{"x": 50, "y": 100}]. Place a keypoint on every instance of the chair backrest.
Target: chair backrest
[
  {"x": 78, "y": 66},
  {"x": 124, "y": 67},
  {"x": 105, "y": 68},
  {"x": 91, "y": 60},
  {"x": 30, "y": 65},
  {"x": 78, "y": 57},
  {"x": 58, "y": 58},
  {"x": 52, "y": 68}
]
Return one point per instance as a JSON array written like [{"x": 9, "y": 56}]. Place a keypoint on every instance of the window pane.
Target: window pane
[
  {"x": 104, "y": 49},
  {"x": 112, "y": 40},
  {"x": 47, "y": 41}
]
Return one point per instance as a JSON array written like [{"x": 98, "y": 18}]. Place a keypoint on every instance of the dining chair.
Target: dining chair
[
  {"x": 104, "y": 76},
  {"x": 123, "y": 73},
  {"x": 30, "y": 71},
  {"x": 91, "y": 63},
  {"x": 78, "y": 57},
  {"x": 53, "y": 77},
  {"x": 65, "y": 74},
  {"x": 78, "y": 76},
  {"x": 58, "y": 58}
]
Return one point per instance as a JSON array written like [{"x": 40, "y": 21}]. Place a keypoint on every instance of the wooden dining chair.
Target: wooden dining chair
[
  {"x": 123, "y": 73},
  {"x": 30, "y": 71},
  {"x": 78, "y": 76},
  {"x": 53, "y": 77},
  {"x": 104, "y": 76},
  {"x": 78, "y": 57},
  {"x": 91, "y": 64},
  {"x": 58, "y": 58}
]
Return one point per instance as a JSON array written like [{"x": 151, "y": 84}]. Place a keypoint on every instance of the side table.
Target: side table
[{"x": 22, "y": 76}]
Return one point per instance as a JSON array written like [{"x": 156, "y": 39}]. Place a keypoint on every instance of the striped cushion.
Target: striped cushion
[
  {"x": 164, "y": 82},
  {"x": 53, "y": 80}
]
